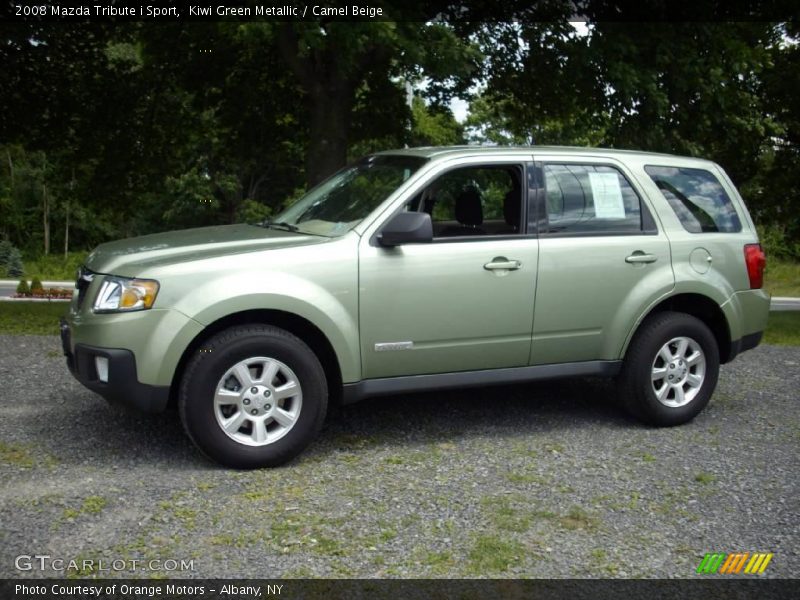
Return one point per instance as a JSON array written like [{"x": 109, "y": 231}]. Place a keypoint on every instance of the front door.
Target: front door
[{"x": 463, "y": 302}]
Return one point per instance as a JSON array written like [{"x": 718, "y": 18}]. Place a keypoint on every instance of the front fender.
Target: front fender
[{"x": 333, "y": 309}]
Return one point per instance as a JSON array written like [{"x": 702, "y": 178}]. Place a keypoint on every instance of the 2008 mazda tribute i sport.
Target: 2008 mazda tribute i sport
[{"x": 426, "y": 269}]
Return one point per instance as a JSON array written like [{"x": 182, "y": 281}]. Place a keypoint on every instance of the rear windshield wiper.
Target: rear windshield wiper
[{"x": 280, "y": 225}]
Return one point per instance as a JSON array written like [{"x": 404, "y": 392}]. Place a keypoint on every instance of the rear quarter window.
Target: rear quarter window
[{"x": 697, "y": 198}]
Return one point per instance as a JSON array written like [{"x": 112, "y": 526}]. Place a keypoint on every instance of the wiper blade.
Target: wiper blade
[{"x": 281, "y": 225}]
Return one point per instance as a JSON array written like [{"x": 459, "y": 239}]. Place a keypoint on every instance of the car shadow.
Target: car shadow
[
  {"x": 104, "y": 435},
  {"x": 521, "y": 409}
]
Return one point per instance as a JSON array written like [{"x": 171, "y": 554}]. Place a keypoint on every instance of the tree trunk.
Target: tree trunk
[
  {"x": 66, "y": 226},
  {"x": 10, "y": 169},
  {"x": 46, "y": 219},
  {"x": 66, "y": 232},
  {"x": 330, "y": 94},
  {"x": 330, "y": 110}
]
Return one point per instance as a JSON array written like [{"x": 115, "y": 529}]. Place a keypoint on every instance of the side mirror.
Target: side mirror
[{"x": 407, "y": 228}]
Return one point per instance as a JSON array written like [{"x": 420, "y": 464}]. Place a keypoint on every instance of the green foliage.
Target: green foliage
[
  {"x": 724, "y": 91},
  {"x": 36, "y": 286},
  {"x": 55, "y": 267},
  {"x": 111, "y": 132},
  {"x": 251, "y": 211},
  {"x": 190, "y": 200},
  {"x": 10, "y": 260},
  {"x": 23, "y": 287},
  {"x": 776, "y": 242},
  {"x": 433, "y": 126}
]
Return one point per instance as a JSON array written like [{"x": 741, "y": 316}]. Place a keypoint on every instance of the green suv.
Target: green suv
[{"x": 425, "y": 269}]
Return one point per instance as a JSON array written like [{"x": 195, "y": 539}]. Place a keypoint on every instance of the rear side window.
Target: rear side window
[
  {"x": 590, "y": 199},
  {"x": 698, "y": 199}
]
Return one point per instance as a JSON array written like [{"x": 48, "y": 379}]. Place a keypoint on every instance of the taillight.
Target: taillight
[{"x": 756, "y": 260}]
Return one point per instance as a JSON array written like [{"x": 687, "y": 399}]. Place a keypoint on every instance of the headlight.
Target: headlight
[{"x": 119, "y": 294}]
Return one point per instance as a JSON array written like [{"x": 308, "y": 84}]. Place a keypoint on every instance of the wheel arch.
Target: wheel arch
[
  {"x": 299, "y": 326},
  {"x": 701, "y": 307}
]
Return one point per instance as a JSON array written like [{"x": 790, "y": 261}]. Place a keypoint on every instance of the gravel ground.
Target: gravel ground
[{"x": 528, "y": 481}]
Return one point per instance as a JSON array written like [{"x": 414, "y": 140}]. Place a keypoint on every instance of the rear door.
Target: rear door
[{"x": 602, "y": 259}]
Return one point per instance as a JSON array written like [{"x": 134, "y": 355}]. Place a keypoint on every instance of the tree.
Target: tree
[
  {"x": 433, "y": 126},
  {"x": 772, "y": 193},
  {"x": 332, "y": 61},
  {"x": 692, "y": 88}
]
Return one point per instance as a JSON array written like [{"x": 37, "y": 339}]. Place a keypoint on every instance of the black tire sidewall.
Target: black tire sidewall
[
  {"x": 655, "y": 334},
  {"x": 211, "y": 363}
]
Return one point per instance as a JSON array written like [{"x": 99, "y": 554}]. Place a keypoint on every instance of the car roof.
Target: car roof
[{"x": 458, "y": 151}]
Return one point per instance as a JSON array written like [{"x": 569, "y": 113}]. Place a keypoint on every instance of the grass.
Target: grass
[
  {"x": 24, "y": 456},
  {"x": 90, "y": 506},
  {"x": 31, "y": 318},
  {"x": 526, "y": 478},
  {"x": 577, "y": 518},
  {"x": 439, "y": 562},
  {"x": 782, "y": 278},
  {"x": 783, "y": 329},
  {"x": 504, "y": 516},
  {"x": 490, "y": 554},
  {"x": 54, "y": 266},
  {"x": 14, "y": 454},
  {"x": 705, "y": 478}
]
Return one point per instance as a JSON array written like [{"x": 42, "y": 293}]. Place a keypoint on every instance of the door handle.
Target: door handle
[
  {"x": 501, "y": 263},
  {"x": 640, "y": 257}
]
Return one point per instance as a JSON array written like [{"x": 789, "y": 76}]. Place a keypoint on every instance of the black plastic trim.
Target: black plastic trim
[
  {"x": 585, "y": 234},
  {"x": 482, "y": 238},
  {"x": 743, "y": 344},
  {"x": 354, "y": 392},
  {"x": 123, "y": 386}
]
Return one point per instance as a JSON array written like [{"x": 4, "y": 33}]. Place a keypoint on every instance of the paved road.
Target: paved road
[{"x": 524, "y": 481}]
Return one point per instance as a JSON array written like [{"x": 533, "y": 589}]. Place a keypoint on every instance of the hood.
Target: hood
[{"x": 134, "y": 256}]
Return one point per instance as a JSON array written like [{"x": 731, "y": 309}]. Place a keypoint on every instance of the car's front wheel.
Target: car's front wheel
[
  {"x": 670, "y": 369},
  {"x": 253, "y": 396}
]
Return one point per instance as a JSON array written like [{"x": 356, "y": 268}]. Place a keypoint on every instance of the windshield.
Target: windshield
[{"x": 339, "y": 203}]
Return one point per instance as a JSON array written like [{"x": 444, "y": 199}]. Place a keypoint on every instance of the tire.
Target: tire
[
  {"x": 253, "y": 396},
  {"x": 645, "y": 385}
]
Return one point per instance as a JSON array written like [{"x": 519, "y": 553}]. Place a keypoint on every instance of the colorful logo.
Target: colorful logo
[{"x": 730, "y": 564}]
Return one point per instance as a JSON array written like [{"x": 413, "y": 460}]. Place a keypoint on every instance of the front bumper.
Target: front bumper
[{"x": 122, "y": 385}]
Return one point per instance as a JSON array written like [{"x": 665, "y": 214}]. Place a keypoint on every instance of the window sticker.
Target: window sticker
[{"x": 608, "y": 203}]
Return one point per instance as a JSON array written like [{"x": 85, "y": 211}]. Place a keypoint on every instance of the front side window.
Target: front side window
[
  {"x": 481, "y": 200},
  {"x": 698, "y": 199},
  {"x": 341, "y": 202},
  {"x": 589, "y": 199}
]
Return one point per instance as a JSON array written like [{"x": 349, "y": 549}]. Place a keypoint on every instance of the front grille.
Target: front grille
[{"x": 85, "y": 277}]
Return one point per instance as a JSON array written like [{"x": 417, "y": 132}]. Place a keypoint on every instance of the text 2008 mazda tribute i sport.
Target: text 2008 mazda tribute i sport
[{"x": 425, "y": 269}]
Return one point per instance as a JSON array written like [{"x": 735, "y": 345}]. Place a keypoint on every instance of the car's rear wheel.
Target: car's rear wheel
[
  {"x": 670, "y": 370},
  {"x": 253, "y": 396}
]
